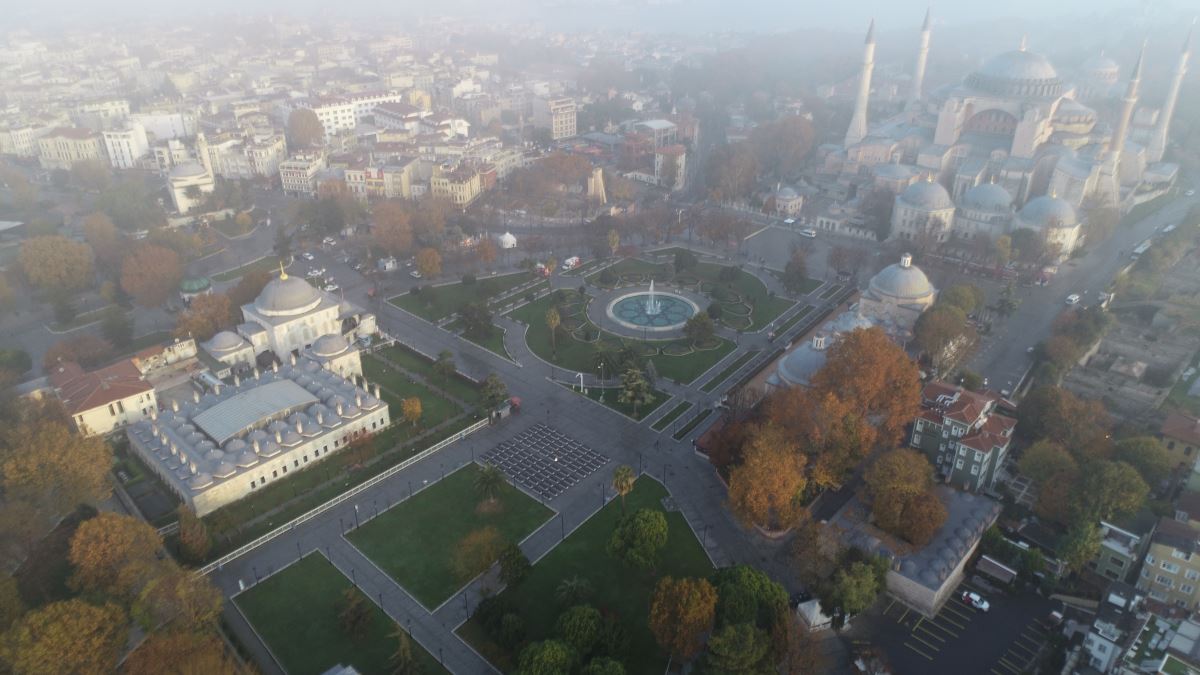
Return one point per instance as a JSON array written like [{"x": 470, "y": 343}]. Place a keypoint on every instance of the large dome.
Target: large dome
[
  {"x": 189, "y": 170},
  {"x": 1017, "y": 73},
  {"x": 1049, "y": 211},
  {"x": 1100, "y": 68},
  {"x": 286, "y": 296},
  {"x": 927, "y": 196},
  {"x": 802, "y": 363},
  {"x": 987, "y": 197},
  {"x": 901, "y": 281}
]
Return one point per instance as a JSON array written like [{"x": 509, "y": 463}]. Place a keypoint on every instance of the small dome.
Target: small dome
[
  {"x": 195, "y": 284},
  {"x": 225, "y": 341},
  {"x": 1048, "y": 211},
  {"x": 902, "y": 280},
  {"x": 799, "y": 366},
  {"x": 988, "y": 197},
  {"x": 189, "y": 170},
  {"x": 224, "y": 470},
  {"x": 247, "y": 459},
  {"x": 1100, "y": 67},
  {"x": 786, "y": 193},
  {"x": 330, "y": 345},
  {"x": 927, "y": 196},
  {"x": 287, "y": 296}
]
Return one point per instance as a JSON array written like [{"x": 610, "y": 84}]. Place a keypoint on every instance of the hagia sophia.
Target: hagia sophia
[{"x": 1013, "y": 145}]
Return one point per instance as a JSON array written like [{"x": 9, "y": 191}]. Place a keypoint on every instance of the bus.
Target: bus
[{"x": 1141, "y": 248}]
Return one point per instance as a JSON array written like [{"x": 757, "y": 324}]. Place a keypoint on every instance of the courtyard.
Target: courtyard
[{"x": 545, "y": 461}]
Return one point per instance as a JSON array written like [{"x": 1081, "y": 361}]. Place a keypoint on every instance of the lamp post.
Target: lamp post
[
  {"x": 562, "y": 526},
  {"x": 356, "y": 516}
]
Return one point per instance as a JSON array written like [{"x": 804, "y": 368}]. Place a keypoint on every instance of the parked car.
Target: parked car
[
  {"x": 329, "y": 241},
  {"x": 416, "y": 274},
  {"x": 332, "y": 287},
  {"x": 789, "y": 221},
  {"x": 312, "y": 274},
  {"x": 308, "y": 256},
  {"x": 1190, "y": 193},
  {"x": 975, "y": 600},
  {"x": 808, "y": 232},
  {"x": 1073, "y": 299}
]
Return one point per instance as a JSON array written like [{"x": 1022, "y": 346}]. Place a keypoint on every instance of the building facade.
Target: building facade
[
  {"x": 962, "y": 434},
  {"x": 126, "y": 147},
  {"x": 460, "y": 186},
  {"x": 1171, "y": 569},
  {"x": 65, "y": 147},
  {"x": 101, "y": 401}
]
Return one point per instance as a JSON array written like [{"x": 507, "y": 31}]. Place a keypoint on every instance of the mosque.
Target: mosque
[{"x": 1014, "y": 145}]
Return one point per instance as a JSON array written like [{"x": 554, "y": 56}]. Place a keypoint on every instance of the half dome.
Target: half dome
[
  {"x": 1017, "y": 73},
  {"x": 1049, "y": 211}
]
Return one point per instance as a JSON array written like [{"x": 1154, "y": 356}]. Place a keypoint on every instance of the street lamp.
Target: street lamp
[{"x": 356, "y": 516}]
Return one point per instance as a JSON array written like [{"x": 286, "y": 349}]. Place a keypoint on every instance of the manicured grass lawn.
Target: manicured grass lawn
[
  {"x": 295, "y": 612},
  {"x": 268, "y": 263},
  {"x": 791, "y": 321},
  {"x": 611, "y": 394},
  {"x": 459, "y": 387},
  {"x": 618, "y": 589},
  {"x": 414, "y": 541},
  {"x": 577, "y": 355},
  {"x": 665, "y": 421},
  {"x": 729, "y": 370},
  {"x": 766, "y": 307},
  {"x": 693, "y": 423},
  {"x": 397, "y": 386},
  {"x": 494, "y": 343},
  {"x": 434, "y": 303}
]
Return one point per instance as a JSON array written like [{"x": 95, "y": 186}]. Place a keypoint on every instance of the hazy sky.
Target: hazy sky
[{"x": 652, "y": 15}]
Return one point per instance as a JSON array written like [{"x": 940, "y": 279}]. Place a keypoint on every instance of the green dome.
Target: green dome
[{"x": 194, "y": 284}]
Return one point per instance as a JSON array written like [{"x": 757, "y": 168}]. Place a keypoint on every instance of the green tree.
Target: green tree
[
  {"x": 1081, "y": 544},
  {"x": 795, "y": 273},
  {"x": 854, "y": 588},
  {"x": 476, "y": 320},
  {"x": 489, "y": 482},
  {"x": 1110, "y": 489},
  {"x": 748, "y": 595},
  {"x": 553, "y": 320},
  {"x": 1147, "y": 455},
  {"x": 635, "y": 390},
  {"x": 738, "y": 648},
  {"x": 444, "y": 366},
  {"x": 639, "y": 537},
  {"x": 966, "y": 297},
  {"x": 404, "y": 659},
  {"x": 117, "y": 327},
  {"x": 603, "y": 665},
  {"x": 1043, "y": 461},
  {"x": 622, "y": 482},
  {"x": 548, "y": 657},
  {"x": 494, "y": 391},
  {"x": 514, "y": 565},
  {"x": 579, "y": 627},
  {"x": 354, "y": 613},
  {"x": 699, "y": 329},
  {"x": 937, "y": 329},
  {"x": 685, "y": 260},
  {"x": 573, "y": 590}
]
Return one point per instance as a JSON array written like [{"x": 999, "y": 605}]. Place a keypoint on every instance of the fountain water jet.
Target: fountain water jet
[{"x": 653, "y": 307}]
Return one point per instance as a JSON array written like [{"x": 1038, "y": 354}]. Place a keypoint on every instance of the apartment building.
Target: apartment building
[
  {"x": 126, "y": 147},
  {"x": 962, "y": 434},
  {"x": 298, "y": 175},
  {"x": 101, "y": 114},
  {"x": 343, "y": 113},
  {"x": 1120, "y": 552},
  {"x": 664, "y": 132},
  {"x": 1171, "y": 569},
  {"x": 103, "y": 400},
  {"x": 556, "y": 114},
  {"x": 461, "y": 185},
  {"x": 391, "y": 180},
  {"x": 64, "y": 147}
]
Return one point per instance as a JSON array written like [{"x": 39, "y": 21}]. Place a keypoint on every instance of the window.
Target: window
[
  {"x": 327, "y": 449},
  {"x": 974, "y": 469},
  {"x": 1170, "y": 445},
  {"x": 1191, "y": 574},
  {"x": 296, "y": 464},
  {"x": 285, "y": 468},
  {"x": 1165, "y": 581},
  {"x": 978, "y": 456},
  {"x": 1150, "y": 560},
  {"x": 1182, "y": 555},
  {"x": 958, "y": 464},
  {"x": 1170, "y": 567},
  {"x": 275, "y": 474},
  {"x": 253, "y": 485},
  {"x": 1116, "y": 561},
  {"x": 306, "y": 459},
  {"x": 920, "y": 425},
  {"x": 1186, "y": 588}
]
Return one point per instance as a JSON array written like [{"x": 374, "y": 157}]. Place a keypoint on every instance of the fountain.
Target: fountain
[{"x": 653, "y": 308}]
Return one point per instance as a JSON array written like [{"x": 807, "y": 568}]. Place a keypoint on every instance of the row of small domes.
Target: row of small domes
[{"x": 1043, "y": 211}]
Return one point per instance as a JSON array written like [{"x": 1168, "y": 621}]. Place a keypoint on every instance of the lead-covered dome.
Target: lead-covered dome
[
  {"x": 901, "y": 281},
  {"x": 1049, "y": 211},
  {"x": 1017, "y": 73},
  {"x": 927, "y": 196},
  {"x": 224, "y": 341},
  {"x": 987, "y": 197},
  {"x": 286, "y": 296},
  {"x": 330, "y": 345}
]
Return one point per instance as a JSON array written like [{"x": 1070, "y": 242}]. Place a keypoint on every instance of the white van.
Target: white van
[{"x": 808, "y": 232}]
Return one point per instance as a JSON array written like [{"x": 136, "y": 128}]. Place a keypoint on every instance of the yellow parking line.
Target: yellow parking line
[
  {"x": 901, "y": 619},
  {"x": 890, "y": 606},
  {"x": 1007, "y": 666},
  {"x": 952, "y": 622},
  {"x": 956, "y": 613},
  {"x": 1010, "y": 665},
  {"x": 918, "y": 651},
  {"x": 1021, "y": 646},
  {"x": 1035, "y": 640},
  {"x": 932, "y": 646},
  {"x": 942, "y": 628},
  {"x": 930, "y": 634}
]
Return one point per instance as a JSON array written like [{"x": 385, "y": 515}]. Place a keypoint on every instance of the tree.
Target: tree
[
  {"x": 87, "y": 350},
  {"x": 194, "y": 539},
  {"x": 553, "y": 320},
  {"x": 923, "y": 515},
  {"x": 731, "y": 172},
  {"x": 404, "y": 660},
  {"x": 56, "y": 264},
  {"x": 181, "y": 653},
  {"x": 429, "y": 263},
  {"x": 476, "y": 552},
  {"x": 937, "y": 329},
  {"x": 832, "y": 432},
  {"x": 106, "y": 242},
  {"x": 699, "y": 329},
  {"x": 1057, "y": 415},
  {"x": 573, "y": 590},
  {"x": 614, "y": 241},
  {"x": 767, "y": 488},
  {"x": 782, "y": 145},
  {"x": 579, "y": 628},
  {"x": 486, "y": 251},
  {"x": 179, "y": 598},
  {"x": 150, "y": 274},
  {"x": 548, "y": 657},
  {"x": 1002, "y": 250},
  {"x": 1147, "y": 455},
  {"x": 44, "y": 464},
  {"x": 476, "y": 320},
  {"x": 1109, "y": 489},
  {"x": 639, "y": 537},
  {"x": 966, "y": 297},
  {"x": 685, "y": 260},
  {"x": 635, "y": 390},
  {"x": 855, "y": 587},
  {"x": 795, "y": 273},
  {"x": 514, "y": 565},
  {"x": 896, "y": 479},
  {"x": 603, "y": 665},
  {"x": 489, "y": 482},
  {"x": 205, "y": 317},
  {"x": 682, "y": 612},
  {"x": 12, "y": 607},
  {"x": 804, "y": 653},
  {"x": 622, "y": 482},
  {"x": 354, "y": 613},
  {"x": 113, "y": 554},
  {"x": 248, "y": 288},
  {"x": 1081, "y": 544},
  {"x": 746, "y": 594},
  {"x": 72, "y": 636},
  {"x": 304, "y": 129},
  {"x": 444, "y": 365},
  {"x": 739, "y": 648},
  {"x": 392, "y": 232},
  {"x": 868, "y": 371},
  {"x": 116, "y": 326},
  {"x": 494, "y": 391},
  {"x": 411, "y": 408}
]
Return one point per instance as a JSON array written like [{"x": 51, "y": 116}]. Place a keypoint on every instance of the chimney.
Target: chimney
[
  {"x": 377, "y": 393},
  {"x": 237, "y": 380},
  {"x": 339, "y": 408},
  {"x": 256, "y": 445},
  {"x": 292, "y": 359},
  {"x": 358, "y": 398},
  {"x": 217, "y": 389},
  {"x": 299, "y": 426},
  {"x": 274, "y": 366},
  {"x": 906, "y": 260},
  {"x": 320, "y": 417},
  {"x": 195, "y": 396},
  {"x": 174, "y": 405},
  {"x": 278, "y": 436}
]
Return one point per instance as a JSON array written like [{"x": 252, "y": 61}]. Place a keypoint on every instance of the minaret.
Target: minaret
[
  {"x": 858, "y": 123},
  {"x": 1158, "y": 141},
  {"x": 1117, "y": 143},
  {"x": 918, "y": 81}
]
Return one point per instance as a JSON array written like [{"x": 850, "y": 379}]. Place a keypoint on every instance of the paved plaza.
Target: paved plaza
[{"x": 545, "y": 461}]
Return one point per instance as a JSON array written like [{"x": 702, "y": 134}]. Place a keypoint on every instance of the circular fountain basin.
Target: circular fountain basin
[{"x": 634, "y": 310}]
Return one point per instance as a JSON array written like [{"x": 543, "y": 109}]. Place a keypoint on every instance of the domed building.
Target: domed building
[
  {"x": 923, "y": 209},
  {"x": 984, "y": 210},
  {"x": 1054, "y": 218},
  {"x": 335, "y": 354},
  {"x": 1098, "y": 77},
  {"x": 896, "y": 296}
]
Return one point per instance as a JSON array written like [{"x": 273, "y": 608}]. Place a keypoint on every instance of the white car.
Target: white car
[
  {"x": 416, "y": 274},
  {"x": 308, "y": 256},
  {"x": 1073, "y": 299},
  {"x": 330, "y": 288},
  {"x": 1190, "y": 193},
  {"x": 975, "y": 600},
  {"x": 810, "y": 233},
  {"x": 329, "y": 241},
  {"x": 312, "y": 274},
  {"x": 789, "y": 221},
  {"x": 319, "y": 270}
]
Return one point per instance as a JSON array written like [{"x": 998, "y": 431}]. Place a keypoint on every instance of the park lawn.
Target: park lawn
[
  {"x": 617, "y": 588},
  {"x": 268, "y": 263},
  {"x": 612, "y": 394},
  {"x": 294, "y": 611},
  {"x": 435, "y": 303},
  {"x": 577, "y": 355},
  {"x": 766, "y": 307},
  {"x": 729, "y": 370},
  {"x": 458, "y": 386},
  {"x": 397, "y": 386},
  {"x": 494, "y": 342},
  {"x": 659, "y": 271},
  {"x": 665, "y": 421},
  {"x": 85, "y": 318},
  {"x": 414, "y": 541}
]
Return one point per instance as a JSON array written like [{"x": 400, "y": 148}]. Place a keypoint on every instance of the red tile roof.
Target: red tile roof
[
  {"x": 944, "y": 401},
  {"x": 82, "y": 391},
  {"x": 1182, "y": 428}
]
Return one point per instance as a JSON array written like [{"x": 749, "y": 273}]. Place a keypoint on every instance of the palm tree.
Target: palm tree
[
  {"x": 635, "y": 390},
  {"x": 622, "y": 482},
  {"x": 553, "y": 320},
  {"x": 489, "y": 482},
  {"x": 573, "y": 590}
]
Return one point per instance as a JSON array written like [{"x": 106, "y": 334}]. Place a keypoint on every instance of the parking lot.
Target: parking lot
[
  {"x": 1005, "y": 640},
  {"x": 545, "y": 461}
]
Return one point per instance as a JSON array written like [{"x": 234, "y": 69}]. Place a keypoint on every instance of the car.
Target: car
[
  {"x": 357, "y": 267},
  {"x": 1190, "y": 193},
  {"x": 1169, "y": 229},
  {"x": 332, "y": 287},
  {"x": 319, "y": 270},
  {"x": 789, "y": 221},
  {"x": 1073, "y": 299},
  {"x": 416, "y": 274},
  {"x": 312, "y": 274},
  {"x": 329, "y": 241},
  {"x": 1030, "y": 350},
  {"x": 308, "y": 256},
  {"x": 810, "y": 233},
  {"x": 975, "y": 600}
]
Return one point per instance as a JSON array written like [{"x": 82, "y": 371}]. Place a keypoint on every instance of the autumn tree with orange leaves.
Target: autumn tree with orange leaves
[
  {"x": 392, "y": 228},
  {"x": 207, "y": 315},
  {"x": 768, "y": 486},
  {"x": 181, "y": 652},
  {"x": 834, "y": 434},
  {"x": 150, "y": 274},
  {"x": 871, "y": 373},
  {"x": 682, "y": 612},
  {"x": 72, "y": 636},
  {"x": 113, "y": 554}
]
